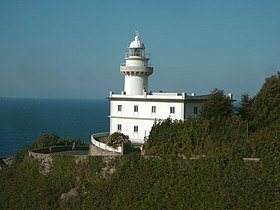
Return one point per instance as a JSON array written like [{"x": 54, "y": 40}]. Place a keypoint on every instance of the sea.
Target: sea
[{"x": 23, "y": 120}]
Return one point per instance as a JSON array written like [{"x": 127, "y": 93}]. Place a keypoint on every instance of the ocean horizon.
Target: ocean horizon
[{"x": 23, "y": 120}]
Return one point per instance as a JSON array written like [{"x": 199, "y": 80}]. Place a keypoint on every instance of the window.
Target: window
[
  {"x": 119, "y": 128},
  {"x": 195, "y": 110},
  {"x": 135, "y": 108},
  {"x": 119, "y": 108},
  {"x": 135, "y": 128},
  {"x": 153, "y": 109},
  {"x": 172, "y": 110}
]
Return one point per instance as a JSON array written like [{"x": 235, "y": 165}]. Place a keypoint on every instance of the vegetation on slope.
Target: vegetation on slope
[
  {"x": 167, "y": 178},
  {"x": 217, "y": 105},
  {"x": 266, "y": 104},
  {"x": 251, "y": 132},
  {"x": 143, "y": 183},
  {"x": 199, "y": 137}
]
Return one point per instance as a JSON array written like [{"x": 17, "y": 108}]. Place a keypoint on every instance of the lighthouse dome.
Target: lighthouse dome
[{"x": 136, "y": 43}]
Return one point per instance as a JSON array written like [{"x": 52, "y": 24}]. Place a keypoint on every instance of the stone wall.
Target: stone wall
[
  {"x": 95, "y": 151},
  {"x": 45, "y": 161},
  {"x": 97, "y": 148}
]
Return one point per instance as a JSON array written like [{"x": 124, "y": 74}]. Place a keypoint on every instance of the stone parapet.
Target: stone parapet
[
  {"x": 97, "y": 148},
  {"x": 45, "y": 161}
]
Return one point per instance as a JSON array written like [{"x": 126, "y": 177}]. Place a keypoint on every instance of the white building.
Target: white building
[{"x": 134, "y": 111}]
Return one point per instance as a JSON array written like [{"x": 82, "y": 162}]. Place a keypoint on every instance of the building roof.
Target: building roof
[
  {"x": 158, "y": 96},
  {"x": 136, "y": 43}
]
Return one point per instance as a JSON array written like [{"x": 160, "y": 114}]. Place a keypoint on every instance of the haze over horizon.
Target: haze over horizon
[{"x": 73, "y": 49}]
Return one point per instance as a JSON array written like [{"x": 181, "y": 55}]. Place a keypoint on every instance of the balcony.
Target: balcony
[{"x": 137, "y": 55}]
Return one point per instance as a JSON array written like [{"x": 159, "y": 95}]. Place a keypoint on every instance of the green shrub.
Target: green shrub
[{"x": 116, "y": 139}]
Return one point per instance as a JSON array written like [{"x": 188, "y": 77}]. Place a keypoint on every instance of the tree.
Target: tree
[
  {"x": 217, "y": 105},
  {"x": 46, "y": 140},
  {"x": 266, "y": 104},
  {"x": 117, "y": 138},
  {"x": 245, "y": 108}
]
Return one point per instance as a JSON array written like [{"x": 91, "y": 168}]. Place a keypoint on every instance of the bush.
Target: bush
[
  {"x": 266, "y": 104},
  {"x": 197, "y": 137},
  {"x": 116, "y": 139}
]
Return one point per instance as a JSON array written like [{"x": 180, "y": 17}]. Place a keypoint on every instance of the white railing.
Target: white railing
[
  {"x": 137, "y": 54},
  {"x": 102, "y": 145}
]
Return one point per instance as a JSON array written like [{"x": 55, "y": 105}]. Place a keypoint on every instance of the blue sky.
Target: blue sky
[{"x": 73, "y": 49}]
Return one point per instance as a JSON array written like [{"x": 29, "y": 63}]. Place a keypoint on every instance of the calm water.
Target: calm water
[{"x": 22, "y": 121}]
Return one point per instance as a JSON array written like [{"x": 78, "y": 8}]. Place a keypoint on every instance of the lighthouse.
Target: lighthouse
[
  {"x": 136, "y": 69},
  {"x": 135, "y": 110}
]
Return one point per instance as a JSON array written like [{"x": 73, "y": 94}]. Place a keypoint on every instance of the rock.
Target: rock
[
  {"x": 9, "y": 160},
  {"x": 69, "y": 195},
  {"x": 2, "y": 163}
]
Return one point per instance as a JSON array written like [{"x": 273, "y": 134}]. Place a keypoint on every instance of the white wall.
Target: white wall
[
  {"x": 134, "y": 85},
  {"x": 144, "y": 118},
  {"x": 189, "y": 109},
  {"x": 144, "y": 128},
  {"x": 145, "y": 109},
  {"x": 136, "y": 62}
]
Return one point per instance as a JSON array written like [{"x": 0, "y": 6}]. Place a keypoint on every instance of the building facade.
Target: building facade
[{"x": 134, "y": 110}]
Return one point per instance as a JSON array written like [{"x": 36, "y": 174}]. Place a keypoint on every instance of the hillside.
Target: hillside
[
  {"x": 196, "y": 164},
  {"x": 142, "y": 183}
]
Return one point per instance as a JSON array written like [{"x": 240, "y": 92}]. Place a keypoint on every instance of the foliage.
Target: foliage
[
  {"x": 47, "y": 140},
  {"x": 245, "y": 108},
  {"x": 254, "y": 134},
  {"x": 143, "y": 183},
  {"x": 266, "y": 141},
  {"x": 163, "y": 136},
  {"x": 23, "y": 187},
  {"x": 217, "y": 136},
  {"x": 217, "y": 105},
  {"x": 220, "y": 136},
  {"x": 117, "y": 138},
  {"x": 266, "y": 104}
]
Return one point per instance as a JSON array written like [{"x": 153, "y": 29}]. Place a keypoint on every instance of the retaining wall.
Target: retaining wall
[{"x": 97, "y": 148}]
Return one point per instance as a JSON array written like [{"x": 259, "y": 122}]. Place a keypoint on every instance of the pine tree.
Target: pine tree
[
  {"x": 217, "y": 105},
  {"x": 245, "y": 108},
  {"x": 266, "y": 104}
]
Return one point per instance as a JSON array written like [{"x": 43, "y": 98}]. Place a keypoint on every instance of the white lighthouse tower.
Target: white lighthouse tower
[
  {"x": 135, "y": 110},
  {"x": 136, "y": 69}
]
